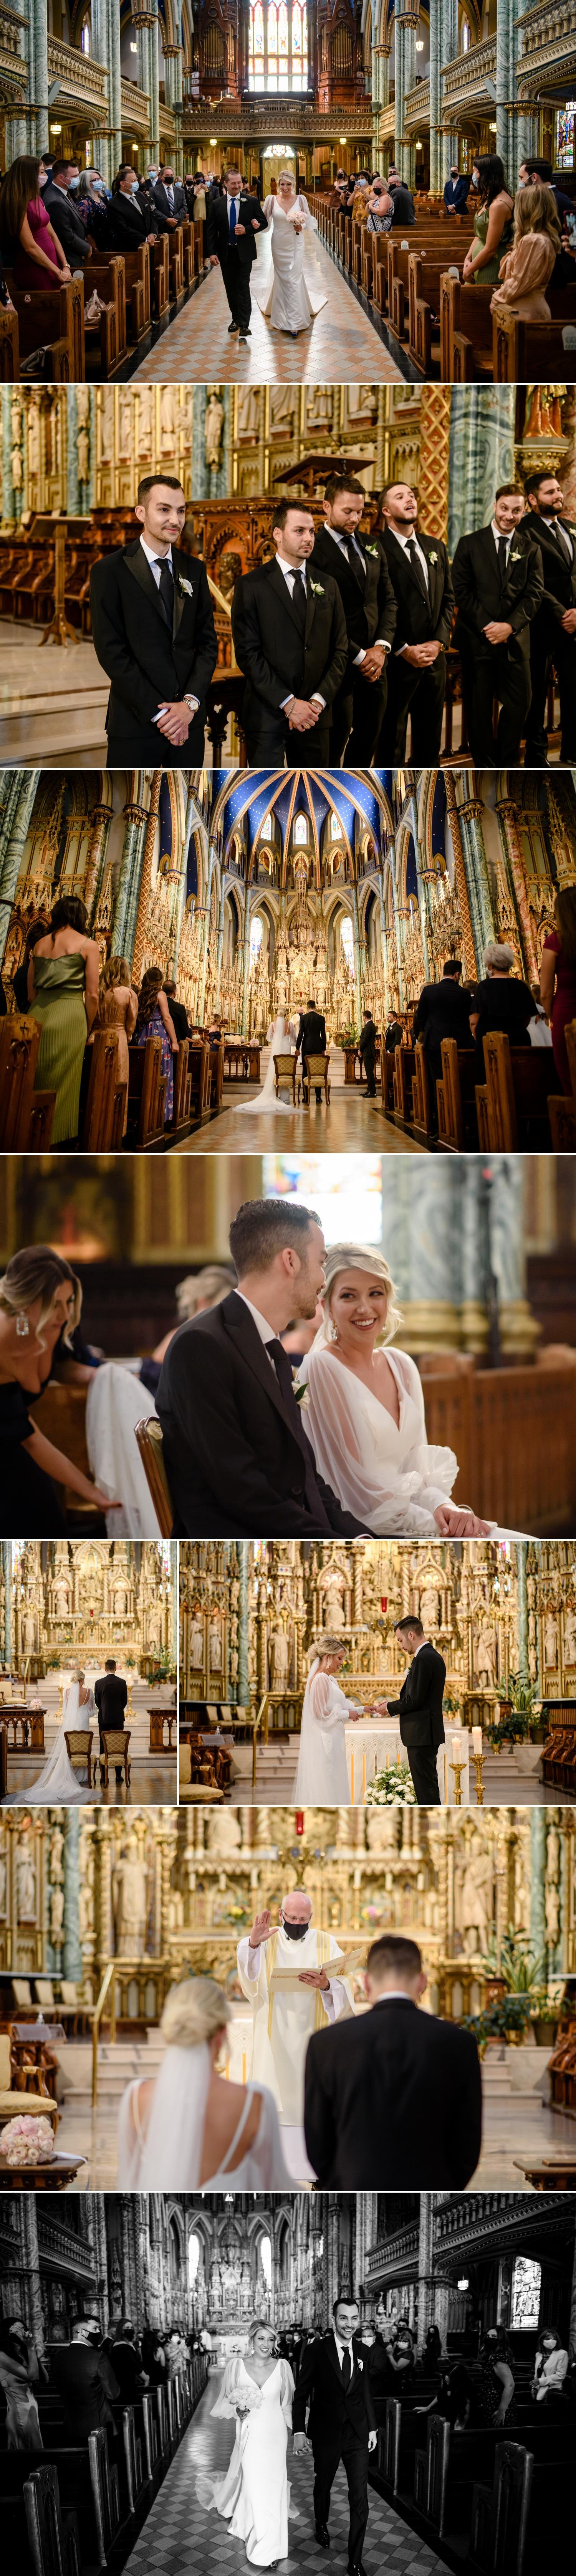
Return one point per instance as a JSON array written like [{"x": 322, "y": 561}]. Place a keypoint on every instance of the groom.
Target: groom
[
  {"x": 111, "y": 1696},
  {"x": 333, "y": 2374},
  {"x": 235, "y": 1447},
  {"x": 420, "y": 1709},
  {"x": 231, "y": 224}
]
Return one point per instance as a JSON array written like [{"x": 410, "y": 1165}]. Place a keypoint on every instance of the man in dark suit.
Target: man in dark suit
[
  {"x": 85, "y": 2380},
  {"x": 498, "y": 587},
  {"x": 334, "y": 2378},
  {"x": 420, "y": 575},
  {"x": 232, "y": 222},
  {"x": 455, "y": 191},
  {"x": 170, "y": 199},
  {"x": 178, "y": 1013},
  {"x": 367, "y": 1051},
  {"x": 154, "y": 633},
  {"x": 128, "y": 2364},
  {"x": 369, "y": 606},
  {"x": 443, "y": 1011},
  {"x": 111, "y": 1696},
  {"x": 393, "y": 2099},
  {"x": 311, "y": 1039},
  {"x": 290, "y": 641},
  {"x": 553, "y": 629},
  {"x": 65, "y": 220},
  {"x": 402, "y": 200},
  {"x": 131, "y": 212},
  {"x": 235, "y": 1446},
  {"x": 420, "y": 1709}
]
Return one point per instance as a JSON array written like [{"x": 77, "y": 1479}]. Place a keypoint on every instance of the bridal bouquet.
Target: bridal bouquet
[
  {"x": 248, "y": 2401},
  {"x": 26, "y": 2141},
  {"x": 392, "y": 1788}
]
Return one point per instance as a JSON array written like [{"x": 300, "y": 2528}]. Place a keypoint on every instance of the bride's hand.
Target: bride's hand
[
  {"x": 105, "y": 1502},
  {"x": 453, "y": 1523},
  {"x": 301, "y": 2443}
]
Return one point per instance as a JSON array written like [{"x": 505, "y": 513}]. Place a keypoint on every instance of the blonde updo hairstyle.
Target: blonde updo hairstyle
[
  {"x": 327, "y": 1646},
  {"x": 358, "y": 1256},
  {"x": 193, "y": 2012},
  {"x": 35, "y": 1272}
]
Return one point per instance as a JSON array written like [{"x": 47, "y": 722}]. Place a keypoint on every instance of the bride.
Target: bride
[
  {"x": 365, "y": 1411},
  {"x": 252, "y": 2493},
  {"x": 281, "y": 1039},
  {"x": 322, "y": 1774},
  {"x": 290, "y": 304},
  {"x": 187, "y": 2128},
  {"x": 57, "y": 1781}
]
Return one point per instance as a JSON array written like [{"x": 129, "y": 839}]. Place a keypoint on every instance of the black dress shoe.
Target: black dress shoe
[
  {"x": 232, "y": 326},
  {"x": 355, "y": 2567},
  {"x": 322, "y": 2535}
]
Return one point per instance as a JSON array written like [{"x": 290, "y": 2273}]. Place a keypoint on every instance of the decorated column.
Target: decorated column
[
  {"x": 243, "y": 1680},
  {"x": 101, "y": 817},
  {"x": 212, "y": 858},
  {"x": 507, "y": 813},
  {"x": 134, "y": 819},
  {"x": 421, "y": 881},
  {"x": 471, "y": 817},
  {"x": 72, "y": 1955},
  {"x": 357, "y": 957},
  {"x": 138, "y": 909},
  {"x": 470, "y": 960},
  {"x": 27, "y": 781},
  {"x": 522, "y": 1606},
  {"x": 6, "y": 1639},
  {"x": 405, "y": 24}
]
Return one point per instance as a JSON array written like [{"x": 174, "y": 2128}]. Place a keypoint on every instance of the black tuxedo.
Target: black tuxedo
[
  {"x": 421, "y": 1721},
  {"x": 67, "y": 224},
  {"x": 111, "y": 1696},
  {"x": 179, "y": 1016},
  {"x": 147, "y": 664},
  {"x": 237, "y": 1456},
  {"x": 393, "y": 2102},
  {"x": 341, "y": 2417},
  {"x": 283, "y": 656},
  {"x": 484, "y": 593},
  {"x": 130, "y": 222},
  {"x": 86, "y": 2382},
  {"x": 549, "y": 642},
  {"x": 235, "y": 256},
  {"x": 443, "y": 1011},
  {"x": 311, "y": 1039},
  {"x": 367, "y": 1051},
  {"x": 424, "y": 616},
  {"x": 370, "y": 613}
]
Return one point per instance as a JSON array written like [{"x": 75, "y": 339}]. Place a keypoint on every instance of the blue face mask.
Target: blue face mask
[{"x": 74, "y": 183}]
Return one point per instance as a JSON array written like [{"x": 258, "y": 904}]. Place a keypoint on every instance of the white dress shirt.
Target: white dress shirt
[
  {"x": 341, "y": 2348},
  {"x": 565, "y": 540},
  {"x": 343, "y": 542},
  {"x": 411, "y": 540},
  {"x": 292, "y": 573},
  {"x": 498, "y": 534},
  {"x": 266, "y": 1330}
]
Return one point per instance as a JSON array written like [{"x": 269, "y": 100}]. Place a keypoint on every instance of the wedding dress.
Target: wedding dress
[
  {"x": 57, "y": 1783},
  {"x": 322, "y": 1774},
  {"x": 388, "y": 1474},
  {"x": 168, "y": 2156},
  {"x": 289, "y": 303},
  {"x": 252, "y": 2493},
  {"x": 282, "y": 1042},
  {"x": 115, "y": 1402}
]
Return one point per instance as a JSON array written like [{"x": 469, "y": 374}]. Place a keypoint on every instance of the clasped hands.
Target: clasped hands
[
  {"x": 304, "y": 713},
  {"x": 497, "y": 631},
  {"x": 421, "y": 654},
  {"x": 175, "y": 720}
]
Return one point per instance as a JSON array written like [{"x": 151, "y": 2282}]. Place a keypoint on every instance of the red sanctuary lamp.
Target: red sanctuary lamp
[
  {"x": 299, "y": 1820},
  {"x": 383, "y": 1601}
]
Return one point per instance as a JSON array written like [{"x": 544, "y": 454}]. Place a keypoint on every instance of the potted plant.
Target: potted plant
[
  {"x": 518, "y": 1724},
  {"x": 515, "y": 2001}
]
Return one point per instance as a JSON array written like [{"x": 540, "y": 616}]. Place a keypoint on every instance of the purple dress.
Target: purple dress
[{"x": 154, "y": 1027}]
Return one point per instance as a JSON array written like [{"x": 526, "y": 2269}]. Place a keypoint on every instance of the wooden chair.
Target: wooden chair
[
  {"x": 315, "y": 1071},
  {"x": 149, "y": 1437},
  {"x": 61, "y": 1414},
  {"x": 466, "y": 341},
  {"x": 192, "y": 1790},
  {"x": 12, "y": 2102},
  {"x": 285, "y": 1071},
  {"x": 114, "y": 1742},
  {"x": 104, "y": 1115},
  {"x": 78, "y": 1742},
  {"x": 26, "y": 1116}
]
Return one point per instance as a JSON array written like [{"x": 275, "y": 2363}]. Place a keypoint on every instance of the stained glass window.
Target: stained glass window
[
  {"x": 278, "y": 45},
  {"x": 301, "y": 831},
  {"x": 256, "y": 939},
  {"x": 335, "y": 827}
]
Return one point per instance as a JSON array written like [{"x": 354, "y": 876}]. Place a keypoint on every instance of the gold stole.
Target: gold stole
[{"x": 323, "y": 1955}]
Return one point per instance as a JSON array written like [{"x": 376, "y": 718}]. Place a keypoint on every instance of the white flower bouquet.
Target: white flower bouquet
[
  {"x": 248, "y": 2400},
  {"x": 392, "y": 1788},
  {"x": 27, "y": 2141}
]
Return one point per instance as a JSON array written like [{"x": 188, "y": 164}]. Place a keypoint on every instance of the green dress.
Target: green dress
[
  {"x": 59, "y": 1007},
  {"x": 488, "y": 276}
]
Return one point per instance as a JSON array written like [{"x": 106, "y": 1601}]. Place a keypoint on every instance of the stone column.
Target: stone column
[
  {"x": 38, "y": 58},
  {"x": 537, "y": 1877},
  {"x": 101, "y": 818},
  {"x": 28, "y": 2231},
  {"x": 134, "y": 817},
  {"x": 448, "y": 140},
  {"x": 18, "y": 827},
  {"x": 425, "y": 2298},
  {"x": 7, "y": 1573},
  {"x": 422, "y": 887},
  {"x": 220, "y": 940},
  {"x": 243, "y": 1682},
  {"x": 357, "y": 957},
  {"x": 471, "y": 815},
  {"x": 470, "y": 960},
  {"x": 212, "y": 857},
  {"x": 522, "y": 1606},
  {"x": 405, "y": 24},
  {"x": 245, "y": 964},
  {"x": 139, "y": 905},
  {"x": 507, "y": 813},
  {"x": 72, "y": 1956}
]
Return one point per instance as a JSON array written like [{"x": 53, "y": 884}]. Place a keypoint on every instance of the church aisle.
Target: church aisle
[
  {"x": 351, "y": 1124},
  {"x": 340, "y": 345},
  {"x": 179, "y": 2534}
]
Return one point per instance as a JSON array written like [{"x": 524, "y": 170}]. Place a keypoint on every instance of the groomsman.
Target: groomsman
[
  {"x": 553, "y": 629},
  {"x": 420, "y": 575},
  {"x": 154, "y": 633},
  {"x": 498, "y": 586},
  {"x": 290, "y": 640},
  {"x": 358, "y": 565}
]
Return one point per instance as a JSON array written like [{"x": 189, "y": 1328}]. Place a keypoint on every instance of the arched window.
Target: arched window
[
  {"x": 466, "y": 36},
  {"x": 278, "y": 45},
  {"x": 266, "y": 828},
  {"x": 301, "y": 832},
  {"x": 335, "y": 828},
  {"x": 266, "y": 2260},
  {"x": 347, "y": 944},
  {"x": 193, "y": 2259},
  {"x": 256, "y": 935}
]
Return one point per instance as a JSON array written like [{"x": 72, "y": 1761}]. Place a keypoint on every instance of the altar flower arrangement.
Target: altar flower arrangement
[
  {"x": 26, "y": 2141},
  {"x": 391, "y": 1788}
]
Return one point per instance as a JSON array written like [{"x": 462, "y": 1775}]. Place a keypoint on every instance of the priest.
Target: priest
[{"x": 291, "y": 1979}]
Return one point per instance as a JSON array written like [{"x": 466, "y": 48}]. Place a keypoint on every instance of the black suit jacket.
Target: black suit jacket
[
  {"x": 218, "y": 238},
  {"x": 332, "y": 2406},
  {"x": 443, "y": 1011},
  {"x": 130, "y": 222},
  {"x": 179, "y": 1016},
  {"x": 67, "y": 224},
  {"x": 393, "y": 2101},
  {"x": 277, "y": 659},
  {"x": 370, "y": 607},
  {"x": 420, "y": 1704},
  {"x": 311, "y": 1039},
  {"x": 367, "y": 1039},
  {"x": 86, "y": 2382},
  {"x": 237, "y": 1456},
  {"x": 480, "y": 595},
  {"x": 111, "y": 1696},
  {"x": 145, "y": 663},
  {"x": 403, "y": 206},
  {"x": 420, "y": 620},
  {"x": 559, "y": 591}
]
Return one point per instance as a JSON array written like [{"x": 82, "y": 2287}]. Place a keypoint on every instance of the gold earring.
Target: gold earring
[{"x": 22, "y": 1327}]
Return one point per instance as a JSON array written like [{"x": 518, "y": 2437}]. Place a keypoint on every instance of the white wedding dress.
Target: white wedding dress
[
  {"x": 289, "y": 303},
  {"x": 322, "y": 1774},
  {"x": 57, "y": 1783},
  {"x": 115, "y": 1402},
  {"x": 252, "y": 2494},
  {"x": 281, "y": 1040},
  {"x": 168, "y": 2156},
  {"x": 388, "y": 1474}
]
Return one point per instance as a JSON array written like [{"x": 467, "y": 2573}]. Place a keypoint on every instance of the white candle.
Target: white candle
[{"x": 476, "y": 1739}]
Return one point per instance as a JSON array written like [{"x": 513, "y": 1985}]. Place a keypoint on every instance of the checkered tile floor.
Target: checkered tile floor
[
  {"x": 341, "y": 345},
  {"x": 180, "y": 2535}
]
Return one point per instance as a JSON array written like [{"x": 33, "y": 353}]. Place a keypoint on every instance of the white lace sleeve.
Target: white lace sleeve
[
  {"x": 327, "y": 1701},
  {"x": 389, "y": 1504}
]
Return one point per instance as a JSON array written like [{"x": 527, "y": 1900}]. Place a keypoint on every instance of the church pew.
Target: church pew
[
  {"x": 175, "y": 264},
  {"x": 466, "y": 340},
  {"x": 535, "y": 346},
  {"x": 200, "y": 1078},
  {"x": 107, "y": 278},
  {"x": 514, "y": 1433},
  {"x": 52, "y": 319},
  {"x": 422, "y": 1104},
  {"x": 160, "y": 278},
  {"x": 387, "y": 1080},
  {"x": 104, "y": 1115},
  {"x": 518, "y": 1080},
  {"x": 88, "y": 2483},
  {"x": 403, "y": 1061},
  {"x": 146, "y": 1092},
  {"x": 216, "y": 1070},
  {"x": 511, "y": 2519},
  {"x": 9, "y": 347},
  {"x": 562, "y": 1105},
  {"x": 456, "y": 1099},
  {"x": 26, "y": 1116},
  {"x": 446, "y": 2469},
  {"x": 431, "y": 251},
  {"x": 36, "y": 2531},
  {"x": 137, "y": 291},
  {"x": 181, "y": 1111}
]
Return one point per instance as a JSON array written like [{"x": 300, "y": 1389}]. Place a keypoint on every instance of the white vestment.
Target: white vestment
[{"x": 283, "y": 2022}]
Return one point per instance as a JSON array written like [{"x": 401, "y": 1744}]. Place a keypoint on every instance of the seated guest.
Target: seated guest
[
  {"x": 369, "y": 606},
  {"x": 290, "y": 641},
  {"x": 154, "y": 1019},
  {"x": 402, "y": 200},
  {"x": 29, "y": 242},
  {"x": 178, "y": 1013},
  {"x": 59, "y": 195},
  {"x": 127, "y": 2364},
  {"x": 498, "y": 586},
  {"x": 493, "y": 223},
  {"x": 455, "y": 191},
  {"x": 393, "y": 2098},
  {"x": 558, "y": 978},
  {"x": 443, "y": 1011},
  {"x": 420, "y": 575},
  {"x": 497, "y": 2386},
  {"x": 130, "y": 222},
  {"x": 501, "y": 1001},
  {"x": 553, "y": 629},
  {"x": 154, "y": 634},
  {"x": 550, "y": 2369},
  {"x": 193, "y": 1296},
  {"x": 527, "y": 268},
  {"x": 20, "y": 2374},
  {"x": 86, "y": 2381},
  {"x": 39, "y": 1299}
]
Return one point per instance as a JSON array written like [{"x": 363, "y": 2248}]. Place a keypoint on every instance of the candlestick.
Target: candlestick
[
  {"x": 457, "y": 1768},
  {"x": 351, "y": 1779},
  {"x": 363, "y": 1779},
  {"x": 477, "y": 1760}
]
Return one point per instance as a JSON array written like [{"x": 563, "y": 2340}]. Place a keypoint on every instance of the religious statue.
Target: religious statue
[
  {"x": 196, "y": 1646},
  {"x": 474, "y": 1905},
  {"x": 362, "y": 399},
  {"x": 213, "y": 427},
  {"x": 331, "y": 1586},
  {"x": 126, "y": 425},
  {"x": 278, "y": 1658},
  {"x": 320, "y": 406},
  {"x": 130, "y": 1899},
  {"x": 570, "y": 1637},
  {"x": 169, "y": 419},
  {"x": 121, "y": 1602},
  {"x": 26, "y": 1886},
  {"x": 146, "y": 420},
  {"x": 16, "y": 461},
  {"x": 380, "y": 1829},
  {"x": 155, "y": 1624},
  {"x": 223, "y": 1831},
  {"x": 248, "y": 411},
  {"x": 429, "y": 1610},
  {"x": 484, "y": 1649},
  {"x": 3, "y": 1884},
  {"x": 283, "y": 401},
  {"x": 543, "y": 418},
  {"x": 550, "y": 1641},
  {"x": 33, "y": 439},
  {"x": 83, "y": 455},
  {"x": 28, "y": 1632},
  {"x": 57, "y": 1917},
  {"x": 215, "y": 1646}
]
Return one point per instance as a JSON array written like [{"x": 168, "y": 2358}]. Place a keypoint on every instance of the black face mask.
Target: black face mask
[{"x": 295, "y": 1931}]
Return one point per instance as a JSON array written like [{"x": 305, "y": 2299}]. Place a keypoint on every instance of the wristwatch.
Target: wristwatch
[{"x": 191, "y": 702}]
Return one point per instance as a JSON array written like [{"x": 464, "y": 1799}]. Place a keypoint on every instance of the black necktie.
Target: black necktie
[
  {"x": 166, "y": 589},
  {"x": 562, "y": 542},
  {"x": 419, "y": 575},
  {"x": 346, "y": 2369},
  {"x": 502, "y": 558},
  {"x": 299, "y": 600},
  {"x": 283, "y": 1366}
]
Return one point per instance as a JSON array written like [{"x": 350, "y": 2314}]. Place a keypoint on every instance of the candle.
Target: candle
[
  {"x": 476, "y": 1739},
  {"x": 363, "y": 1779},
  {"x": 299, "y": 1820},
  {"x": 243, "y": 2066}
]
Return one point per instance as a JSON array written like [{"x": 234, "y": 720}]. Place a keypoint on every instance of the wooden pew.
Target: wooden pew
[
  {"x": 26, "y": 1115},
  {"x": 107, "y": 278},
  {"x": 562, "y": 1105},
  {"x": 422, "y": 1105},
  {"x": 175, "y": 264},
  {"x": 431, "y": 251},
  {"x": 387, "y": 1080},
  {"x": 137, "y": 291},
  {"x": 466, "y": 338},
  {"x": 146, "y": 1092},
  {"x": 403, "y": 1061},
  {"x": 89, "y": 2488},
  {"x": 216, "y": 1069},
  {"x": 535, "y": 346},
  {"x": 518, "y": 1080},
  {"x": 181, "y": 1110},
  {"x": 200, "y": 1076},
  {"x": 53, "y": 320},
  {"x": 514, "y": 1433},
  {"x": 160, "y": 278},
  {"x": 456, "y": 1099},
  {"x": 9, "y": 347},
  {"x": 104, "y": 1116}
]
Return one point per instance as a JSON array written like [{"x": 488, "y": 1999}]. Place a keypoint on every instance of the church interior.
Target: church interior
[
  {"x": 70, "y": 461},
  {"x": 170, "y": 1893},
  {"x": 253, "y": 890},
  {"x": 482, "y": 1255},
  {"x": 69, "y": 1605},
  {"x": 432, "y": 2277},
  {"x": 253, "y": 1611}
]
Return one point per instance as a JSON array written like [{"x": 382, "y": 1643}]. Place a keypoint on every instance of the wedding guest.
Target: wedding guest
[
  {"x": 232, "y": 222},
  {"x": 36, "y": 1302},
  {"x": 553, "y": 629},
  {"x": 29, "y": 243},
  {"x": 455, "y": 191},
  {"x": 21, "y": 2371},
  {"x": 111, "y": 1697},
  {"x": 63, "y": 996},
  {"x": 311, "y": 1038},
  {"x": 178, "y": 1013},
  {"x": 380, "y": 209},
  {"x": 290, "y": 641},
  {"x": 128, "y": 2365},
  {"x": 154, "y": 1019},
  {"x": 130, "y": 215},
  {"x": 498, "y": 588},
  {"x": 367, "y": 1053},
  {"x": 59, "y": 204},
  {"x": 93, "y": 206},
  {"x": 550, "y": 2369},
  {"x": 370, "y": 612},
  {"x": 421, "y": 580},
  {"x": 35, "y": 931},
  {"x": 527, "y": 269},
  {"x": 493, "y": 223},
  {"x": 403, "y": 209},
  {"x": 442, "y": 1011},
  {"x": 154, "y": 633},
  {"x": 117, "y": 1009},
  {"x": 86, "y": 2381},
  {"x": 187, "y": 2126},
  {"x": 393, "y": 2097},
  {"x": 154, "y": 2357},
  {"x": 558, "y": 978},
  {"x": 502, "y": 1001},
  {"x": 497, "y": 2385}
]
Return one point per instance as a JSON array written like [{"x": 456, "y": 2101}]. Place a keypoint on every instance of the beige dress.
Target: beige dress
[
  {"x": 111, "y": 1014},
  {"x": 524, "y": 273}
]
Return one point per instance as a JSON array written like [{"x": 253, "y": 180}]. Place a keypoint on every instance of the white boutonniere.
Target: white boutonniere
[
  {"x": 185, "y": 585},
  {"x": 302, "y": 1394},
  {"x": 317, "y": 588},
  {"x": 359, "y": 2363},
  {"x": 433, "y": 558},
  {"x": 516, "y": 557},
  {"x": 372, "y": 550}
]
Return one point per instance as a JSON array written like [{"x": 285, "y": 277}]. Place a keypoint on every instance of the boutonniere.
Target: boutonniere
[
  {"x": 185, "y": 585},
  {"x": 433, "y": 558},
  {"x": 302, "y": 1394},
  {"x": 317, "y": 588},
  {"x": 516, "y": 557},
  {"x": 359, "y": 2363},
  {"x": 372, "y": 550}
]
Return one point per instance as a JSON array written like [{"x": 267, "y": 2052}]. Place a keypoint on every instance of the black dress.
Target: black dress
[
  {"x": 29, "y": 1506},
  {"x": 502, "y": 1005}
]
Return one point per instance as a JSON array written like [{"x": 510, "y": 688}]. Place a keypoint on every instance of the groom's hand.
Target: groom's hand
[
  {"x": 372, "y": 2440},
  {"x": 314, "y": 1977},
  {"x": 380, "y": 1708},
  {"x": 260, "y": 1929},
  {"x": 301, "y": 2443},
  {"x": 239, "y": 228}
]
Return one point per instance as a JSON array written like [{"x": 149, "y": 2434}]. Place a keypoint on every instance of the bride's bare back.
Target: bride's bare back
[{"x": 223, "y": 2111}]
